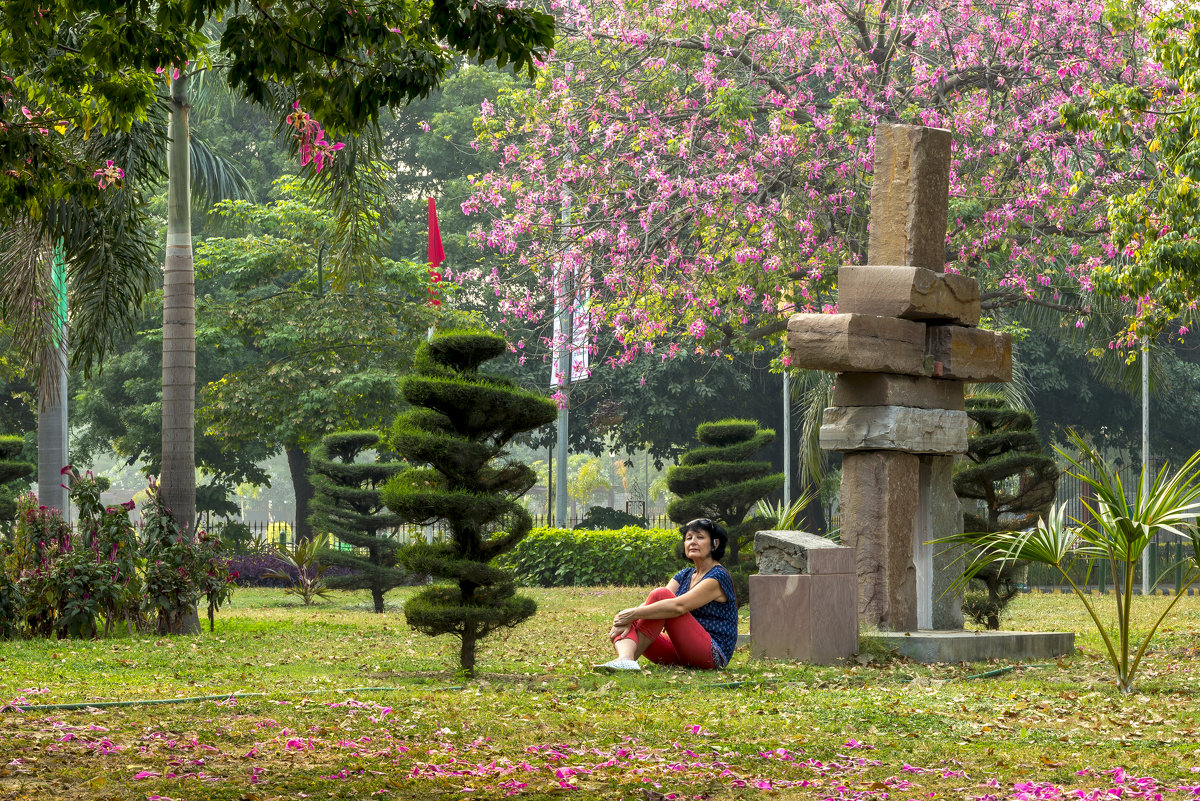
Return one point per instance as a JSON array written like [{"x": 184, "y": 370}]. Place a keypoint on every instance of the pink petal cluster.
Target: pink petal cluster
[{"x": 313, "y": 147}]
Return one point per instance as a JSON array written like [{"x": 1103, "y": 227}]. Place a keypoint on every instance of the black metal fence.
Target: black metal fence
[
  {"x": 1166, "y": 555},
  {"x": 263, "y": 534}
]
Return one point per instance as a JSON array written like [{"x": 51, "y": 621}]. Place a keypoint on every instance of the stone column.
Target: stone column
[{"x": 879, "y": 501}]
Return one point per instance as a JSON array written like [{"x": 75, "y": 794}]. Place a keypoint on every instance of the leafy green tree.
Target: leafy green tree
[
  {"x": 119, "y": 411},
  {"x": 1012, "y": 483},
  {"x": 1155, "y": 128},
  {"x": 456, "y": 437},
  {"x": 718, "y": 480},
  {"x": 348, "y": 506},
  {"x": 309, "y": 361},
  {"x": 12, "y": 469}
]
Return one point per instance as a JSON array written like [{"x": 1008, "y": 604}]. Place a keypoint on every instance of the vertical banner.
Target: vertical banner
[
  {"x": 572, "y": 299},
  {"x": 436, "y": 255}
]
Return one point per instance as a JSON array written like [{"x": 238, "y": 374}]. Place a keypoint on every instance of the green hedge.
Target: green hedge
[{"x": 627, "y": 557}]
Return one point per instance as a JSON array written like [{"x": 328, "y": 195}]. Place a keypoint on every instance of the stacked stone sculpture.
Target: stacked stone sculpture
[{"x": 903, "y": 342}]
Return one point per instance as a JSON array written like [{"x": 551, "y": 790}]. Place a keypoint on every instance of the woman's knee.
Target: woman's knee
[{"x": 660, "y": 594}]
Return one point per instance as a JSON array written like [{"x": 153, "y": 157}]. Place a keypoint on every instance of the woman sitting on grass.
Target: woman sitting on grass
[{"x": 697, "y": 608}]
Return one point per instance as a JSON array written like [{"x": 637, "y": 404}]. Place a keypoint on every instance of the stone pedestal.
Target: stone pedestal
[
  {"x": 857, "y": 343},
  {"x": 806, "y": 610},
  {"x": 910, "y": 197},
  {"x": 881, "y": 389},
  {"x": 969, "y": 354}
]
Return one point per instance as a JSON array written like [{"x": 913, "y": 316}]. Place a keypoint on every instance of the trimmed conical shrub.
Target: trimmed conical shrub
[
  {"x": 347, "y": 504},
  {"x": 719, "y": 481},
  {"x": 1011, "y": 482},
  {"x": 455, "y": 437},
  {"x": 11, "y": 469}
]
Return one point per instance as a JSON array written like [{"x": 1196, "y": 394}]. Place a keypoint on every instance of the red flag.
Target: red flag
[{"x": 436, "y": 254}]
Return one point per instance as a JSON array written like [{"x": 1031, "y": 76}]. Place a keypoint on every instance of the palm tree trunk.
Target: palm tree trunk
[
  {"x": 178, "y": 478},
  {"x": 179, "y": 324}
]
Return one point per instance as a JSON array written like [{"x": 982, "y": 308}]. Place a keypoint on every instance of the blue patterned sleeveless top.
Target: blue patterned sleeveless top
[{"x": 718, "y": 618}]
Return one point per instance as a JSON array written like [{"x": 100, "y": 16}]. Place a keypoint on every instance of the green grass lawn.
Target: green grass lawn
[{"x": 536, "y": 723}]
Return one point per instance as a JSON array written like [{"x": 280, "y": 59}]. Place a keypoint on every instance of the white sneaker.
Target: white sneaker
[{"x": 618, "y": 666}]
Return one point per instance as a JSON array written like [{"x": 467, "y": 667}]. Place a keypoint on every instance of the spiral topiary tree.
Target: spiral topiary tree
[
  {"x": 11, "y": 469},
  {"x": 719, "y": 481},
  {"x": 456, "y": 436},
  {"x": 1012, "y": 483},
  {"x": 346, "y": 504}
]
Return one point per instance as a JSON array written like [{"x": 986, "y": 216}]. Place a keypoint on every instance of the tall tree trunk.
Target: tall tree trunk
[
  {"x": 466, "y": 654},
  {"x": 178, "y": 478},
  {"x": 297, "y": 459},
  {"x": 179, "y": 324}
]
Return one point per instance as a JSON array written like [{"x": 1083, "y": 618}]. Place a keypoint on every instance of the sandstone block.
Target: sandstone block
[
  {"x": 879, "y": 500},
  {"x": 804, "y": 618},
  {"x": 881, "y": 389},
  {"x": 894, "y": 428},
  {"x": 856, "y": 343},
  {"x": 946, "y": 520},
  {"x": 781, "y": 553},
  {"x": 969, "y": 354},
  {"x": 911, "y": 293},
  {"x": 910, "y": 196}
]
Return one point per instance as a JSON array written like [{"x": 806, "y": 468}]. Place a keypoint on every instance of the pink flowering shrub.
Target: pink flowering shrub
[{"x": 59, "y": 581}]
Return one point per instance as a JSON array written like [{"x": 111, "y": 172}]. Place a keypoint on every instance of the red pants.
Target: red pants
[{"x": 684, "y": 643}]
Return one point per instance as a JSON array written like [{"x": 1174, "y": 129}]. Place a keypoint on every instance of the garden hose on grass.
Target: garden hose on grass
[
  {"x": 199, "y": 699},
  {"x": 1001, "y": 671}
]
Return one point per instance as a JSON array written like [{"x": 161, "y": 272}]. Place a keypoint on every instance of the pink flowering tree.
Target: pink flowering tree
[{"x": 701, "y": 169}]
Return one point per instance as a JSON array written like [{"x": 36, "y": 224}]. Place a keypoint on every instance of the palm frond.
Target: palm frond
[
  {"x": 215, "y": 178},
  {"x": 816, "y": 394}
]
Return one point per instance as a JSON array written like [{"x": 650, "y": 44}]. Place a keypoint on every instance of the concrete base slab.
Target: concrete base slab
[{"x": 928, "y": 646}]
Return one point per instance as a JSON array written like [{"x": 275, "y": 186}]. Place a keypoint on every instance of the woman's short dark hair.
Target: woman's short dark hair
[{"x": 713, "y": 529}]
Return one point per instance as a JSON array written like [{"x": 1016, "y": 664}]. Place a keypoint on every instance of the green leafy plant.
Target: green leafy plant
[
  {"x": 347, "y": 505},
  {"x": 1120, "y": 531},
  {"x": 1007, "y": 483},
  {"x": 601, "y": 518},
  {"x": 305, "y": 577},
  {"x": 783, "y": 518}
]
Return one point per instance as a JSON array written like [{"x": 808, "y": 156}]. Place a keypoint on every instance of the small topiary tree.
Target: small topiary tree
[
  {"x": 718, "y": 480},
  {"x": 347, "y": 505},
  {"x": 12, "y": 468},
  {"x": 1013, "y": 484},
  {"x": 456, "y": 436}
]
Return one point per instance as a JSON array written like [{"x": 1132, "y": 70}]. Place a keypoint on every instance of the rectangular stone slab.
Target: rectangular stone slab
[
  {"x": 969, "y": 354},
  {"x": 910, "y": 196},
  {"x": 780, "y": 553},
  {"x": 803, "y": 618},
  {"x": 856, "y": 343},
  {"x": 881, "y": 389},
  {"x": 911, "y": 293},
  {"x": 879, "y": 500},
  {"x": 894, "y": 428}
]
